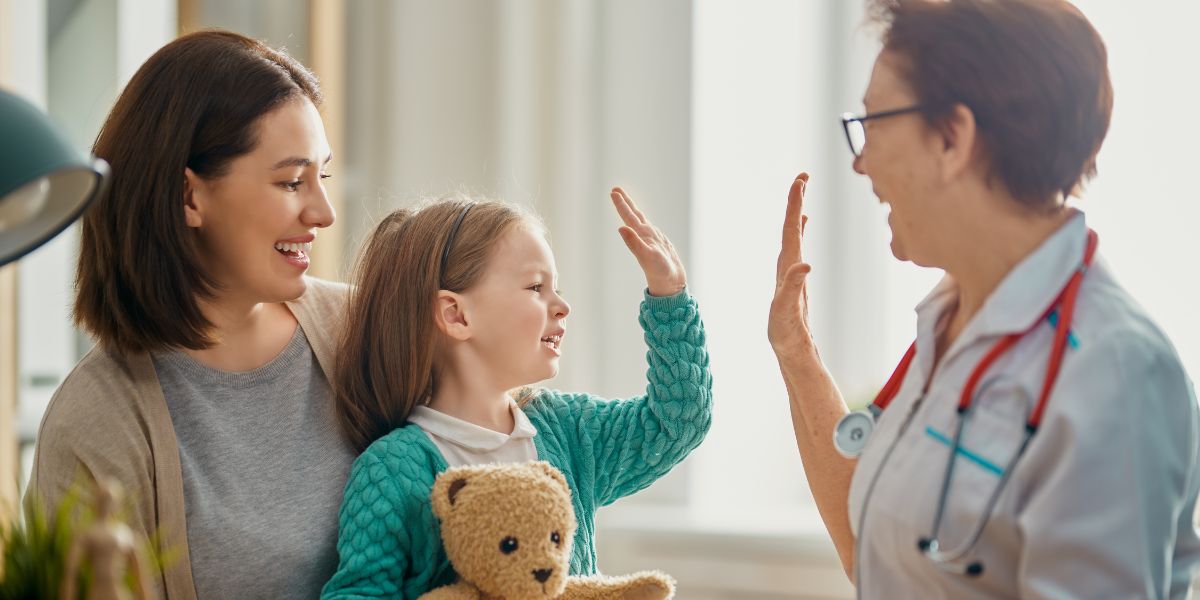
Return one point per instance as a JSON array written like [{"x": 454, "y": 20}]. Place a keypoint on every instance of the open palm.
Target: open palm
[
  {"x": 787, "y": 328},
  {"x": 664, "y": 271}
]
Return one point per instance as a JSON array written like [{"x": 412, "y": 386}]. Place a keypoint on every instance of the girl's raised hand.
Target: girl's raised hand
[{"x": 652, "y": 249}]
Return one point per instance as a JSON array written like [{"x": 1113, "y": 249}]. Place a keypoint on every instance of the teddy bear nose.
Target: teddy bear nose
[{"x": 542, "y": 574}]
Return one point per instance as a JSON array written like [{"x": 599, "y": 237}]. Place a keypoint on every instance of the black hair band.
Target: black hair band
[{"x": 450, "y": 242}]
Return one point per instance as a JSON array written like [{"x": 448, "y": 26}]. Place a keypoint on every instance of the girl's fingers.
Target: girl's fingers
[
  {"x": 633, "y": 207},
  {"x": 626, "y": 213},
  {"x": 634, "y": 242}
]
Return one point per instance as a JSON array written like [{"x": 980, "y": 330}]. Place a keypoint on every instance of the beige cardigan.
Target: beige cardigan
[{"x": 109, "y": 417}]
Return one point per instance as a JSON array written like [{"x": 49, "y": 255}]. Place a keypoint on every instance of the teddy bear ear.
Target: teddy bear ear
[
  {"x": 549, "y": 470},
  {"x": 445, "y": 491}
]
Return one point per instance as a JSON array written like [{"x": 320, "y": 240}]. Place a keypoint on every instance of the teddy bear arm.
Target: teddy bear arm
[
  {"x": 457, "y": 591},
  {"x": 639, "y": 586}
]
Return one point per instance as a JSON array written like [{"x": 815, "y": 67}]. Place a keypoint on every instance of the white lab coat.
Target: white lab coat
[{"x": 1102, "y": 503}]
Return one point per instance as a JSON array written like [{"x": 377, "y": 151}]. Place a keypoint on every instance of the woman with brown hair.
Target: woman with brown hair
[
  {"x": 1040, "y": 437},
  {"x": 208, "y": 395}
]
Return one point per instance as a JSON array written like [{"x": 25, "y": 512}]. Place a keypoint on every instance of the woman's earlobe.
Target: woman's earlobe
[
  {"x": 959, "y": 133},
  {"x": 191, "y": 208}
]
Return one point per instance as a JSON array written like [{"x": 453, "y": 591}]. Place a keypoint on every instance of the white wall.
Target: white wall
[{"x": 1144, "y": 204}]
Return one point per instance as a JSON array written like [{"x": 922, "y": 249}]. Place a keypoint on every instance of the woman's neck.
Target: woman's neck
[
  {"x": 990, "y": 248},
  {"x": 248, "y": 335},
  {"x": 473, "y": 400}
]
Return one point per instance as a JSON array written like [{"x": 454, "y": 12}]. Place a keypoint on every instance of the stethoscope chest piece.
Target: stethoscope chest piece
[{"x": 853, "y": 429}]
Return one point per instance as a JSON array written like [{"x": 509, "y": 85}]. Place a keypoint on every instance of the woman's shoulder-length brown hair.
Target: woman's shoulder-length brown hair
[{"x": 194, "y": 104}]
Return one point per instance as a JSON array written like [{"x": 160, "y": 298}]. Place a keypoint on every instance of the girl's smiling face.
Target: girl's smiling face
[{"x": 516, "y": 315}]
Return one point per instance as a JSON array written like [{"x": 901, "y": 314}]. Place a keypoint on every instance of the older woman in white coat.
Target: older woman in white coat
[{"x": 1040, "y": 437}]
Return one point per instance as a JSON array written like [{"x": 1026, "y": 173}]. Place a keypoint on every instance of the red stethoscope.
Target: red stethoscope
[{"x": 852, "y": 430}]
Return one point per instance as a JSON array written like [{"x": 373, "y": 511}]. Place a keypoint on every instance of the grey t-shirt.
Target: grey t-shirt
[{"x": 264, "y": 467}]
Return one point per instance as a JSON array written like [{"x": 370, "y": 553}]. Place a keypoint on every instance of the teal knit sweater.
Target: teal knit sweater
[{"x": 389, "y": 541}]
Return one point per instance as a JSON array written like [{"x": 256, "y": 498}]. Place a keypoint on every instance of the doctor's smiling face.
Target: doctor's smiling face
[{"x": 901, "y": 157}]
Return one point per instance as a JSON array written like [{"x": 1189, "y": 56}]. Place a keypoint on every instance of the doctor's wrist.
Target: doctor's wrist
[{"x": 798, "y": 354}]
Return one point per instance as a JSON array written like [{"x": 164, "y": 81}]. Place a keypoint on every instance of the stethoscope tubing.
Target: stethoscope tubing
[{"x": 929, "y": 546}]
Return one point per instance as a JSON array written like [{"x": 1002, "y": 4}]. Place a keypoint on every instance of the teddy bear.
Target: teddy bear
[{"x": 508, "y": 529}]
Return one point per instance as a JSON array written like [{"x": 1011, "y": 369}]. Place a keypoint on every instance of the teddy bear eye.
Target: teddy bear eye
[
  {"x": 554, "y": 538},
  {"x": 508, "y": 545}
]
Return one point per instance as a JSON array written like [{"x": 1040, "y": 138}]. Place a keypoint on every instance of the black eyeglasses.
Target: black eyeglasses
[{"x": 856, "y": 135}]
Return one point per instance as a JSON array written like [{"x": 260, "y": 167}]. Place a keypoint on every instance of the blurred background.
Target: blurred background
[{"x": 705, "y": 112}]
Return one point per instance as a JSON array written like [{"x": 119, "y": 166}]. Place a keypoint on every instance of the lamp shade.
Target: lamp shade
[{"x": 44, "y": 183}]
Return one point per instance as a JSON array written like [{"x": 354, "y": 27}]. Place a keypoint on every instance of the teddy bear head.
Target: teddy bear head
[{"x": 507, "y": 528}]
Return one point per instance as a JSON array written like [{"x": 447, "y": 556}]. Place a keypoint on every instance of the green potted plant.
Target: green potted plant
[{"x": 38, "y": 557}]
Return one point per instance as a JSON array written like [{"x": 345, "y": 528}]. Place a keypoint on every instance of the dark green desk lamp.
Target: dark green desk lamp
[{"x": 44, "y": 183}]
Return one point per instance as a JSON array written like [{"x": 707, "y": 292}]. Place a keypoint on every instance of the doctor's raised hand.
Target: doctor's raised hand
[
  {"x": 815, "y": 403},
  {"x": 787, "y": 328},
  {"x": 654, "y": 252}
]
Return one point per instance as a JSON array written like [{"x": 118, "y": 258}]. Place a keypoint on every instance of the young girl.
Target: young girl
[{"x": 455, "y": 307}]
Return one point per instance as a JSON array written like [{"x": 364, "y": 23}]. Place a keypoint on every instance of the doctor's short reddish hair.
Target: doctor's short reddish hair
[{"x": 1033, "y": 72}]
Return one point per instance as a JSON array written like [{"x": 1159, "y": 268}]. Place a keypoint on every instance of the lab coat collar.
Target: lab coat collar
[
  {"x": 467, "y": 434},
  {"x": 1018, "y": 302}
]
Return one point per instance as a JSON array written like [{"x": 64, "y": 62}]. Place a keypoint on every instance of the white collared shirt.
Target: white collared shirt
[
  {"x": 1101, "y": 504},
  {"x": 464, "y": 443}
]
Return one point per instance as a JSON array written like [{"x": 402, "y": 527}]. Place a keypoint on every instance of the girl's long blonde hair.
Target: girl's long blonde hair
[{"x": 385, "y": 361}]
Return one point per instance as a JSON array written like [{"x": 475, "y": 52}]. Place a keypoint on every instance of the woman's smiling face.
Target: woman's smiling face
[
  {"x": 900, "y": 159},
  {"x": 257, "y": 222}
]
